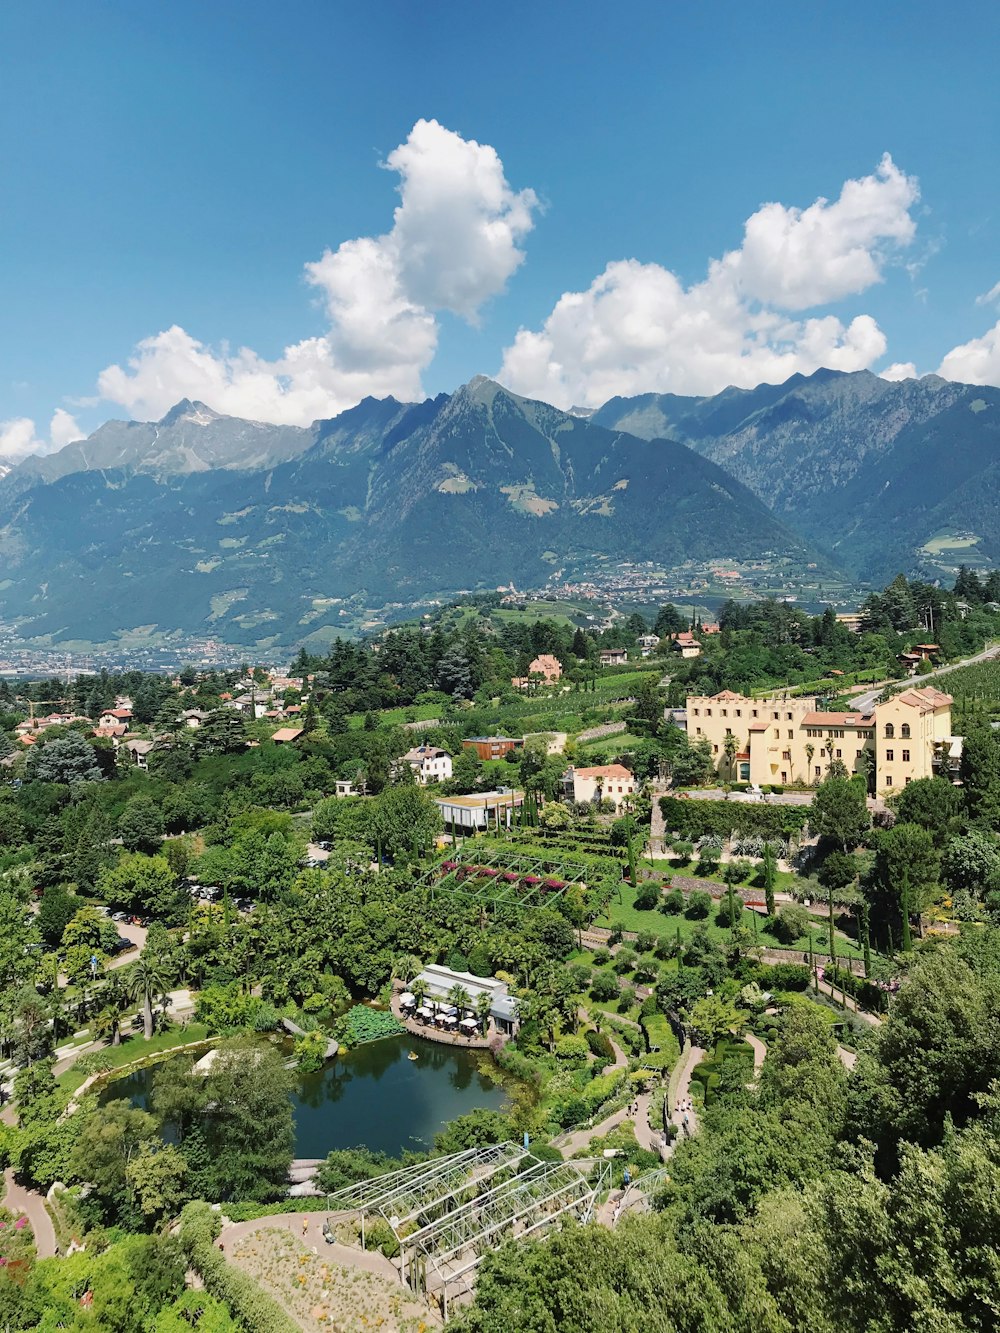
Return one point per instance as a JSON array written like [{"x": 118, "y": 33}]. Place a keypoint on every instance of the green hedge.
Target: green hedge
[
  {"x": 252, "y": 1307},
  {"x": 661, "y": 1041},
  {"x": 694, "y": 819}
]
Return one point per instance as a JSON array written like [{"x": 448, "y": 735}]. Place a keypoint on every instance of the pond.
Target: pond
[{"x": 374, "y": 1096}]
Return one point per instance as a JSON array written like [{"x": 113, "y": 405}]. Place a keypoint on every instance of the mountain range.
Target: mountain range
[
  {"x": 881, "y": 475},
  {"x": 264, "y": 534},
  {"x": 208, "y": 525}
]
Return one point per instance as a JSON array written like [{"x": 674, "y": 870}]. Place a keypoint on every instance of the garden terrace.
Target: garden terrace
[
  {"x": 447, "y": 1213},
  {"x": 505, "y": 879}
]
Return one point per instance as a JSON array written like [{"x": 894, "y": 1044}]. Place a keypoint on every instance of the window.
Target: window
[
  {"x": 787, "y": 756},
  {"x": 729, "y": 731},
  {"x": 904, "y": 731},
  {"x": 888, "y": 779},
  {"x": 907, "y": 781},
  {"x": 775, "y": 716},
  {"x": 753, "y": 712},
  {"x": 784, "y": 776},
  {"x": 839, "y": 755},
  {"x": 708, "y": 712},
  {"x": 888, "y": 756},
  {"x": 818, "y": 771},
  {"x": 739, "y": 712},
  {"x": 777, "y": 734},
  {"x": 723, "y": 712},
  {"x": 788, "y": 717},
  {"x": 697, "y": 712},
  {"x": 697, "y": 731},
  {"x": 715, "y": 749},
  {"x": 906, "y": 756},
  {"x": 890, "y": 731}
]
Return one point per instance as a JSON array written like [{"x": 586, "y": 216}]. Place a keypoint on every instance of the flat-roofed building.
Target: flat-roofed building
[{"x": 480, "y": 810}]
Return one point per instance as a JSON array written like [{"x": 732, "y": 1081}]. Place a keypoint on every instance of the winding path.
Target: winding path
[{"x": 20, "y": 1200}]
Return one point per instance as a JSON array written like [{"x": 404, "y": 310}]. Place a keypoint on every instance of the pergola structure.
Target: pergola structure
[
  {"x": 503, "y": 879},
  {"x": 447, "y": 1213}
]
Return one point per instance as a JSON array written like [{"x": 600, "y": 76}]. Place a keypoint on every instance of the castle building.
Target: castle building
[{"x": 781, "y": 740}]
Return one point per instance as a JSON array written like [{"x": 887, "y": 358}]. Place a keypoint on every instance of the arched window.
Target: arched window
[
  {"x": 890, "y": 731},
  {"x": 904, "y": 731}
]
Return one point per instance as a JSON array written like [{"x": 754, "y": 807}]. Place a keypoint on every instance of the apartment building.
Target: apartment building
[{"x": 785, "y": 740}]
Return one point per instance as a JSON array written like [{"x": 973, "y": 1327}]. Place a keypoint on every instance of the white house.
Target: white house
[
  {"x": 605, "y": 782},
  {"x": 429, "y": 764}
]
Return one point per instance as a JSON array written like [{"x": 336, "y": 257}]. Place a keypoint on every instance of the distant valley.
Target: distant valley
[{"x": 262, "y": 535}]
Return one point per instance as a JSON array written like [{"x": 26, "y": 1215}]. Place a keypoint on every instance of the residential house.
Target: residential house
[
  {"x": 648, "y": 643},
  {"x": 194, "y": 718},
  {"x": 686, "y": 644},
  {"x": 286, "y": 735},
  {"x": 428, "y": 763},
  {"x": 604, "y": 782},
  {"x": 138, "y": 752},
  {"x": 545, "y": 666},
  {"x": 115, "y": 717},
  {"x": 613, "y": 656}
]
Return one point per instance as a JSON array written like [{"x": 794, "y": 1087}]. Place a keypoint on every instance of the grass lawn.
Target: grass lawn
[
  {"x": 784, "y": 880},
  {"x": 133, "y": 1049},
  {"x": 625, "y": 915}
]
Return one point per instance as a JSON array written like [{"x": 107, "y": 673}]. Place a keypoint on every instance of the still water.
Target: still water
[{"x": 375, "y": 1096}]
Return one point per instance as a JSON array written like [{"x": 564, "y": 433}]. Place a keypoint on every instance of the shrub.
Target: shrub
[
  {"x": 721, "y": 819},
  {"x": 248, "y": 1303},
  {"x": 673, "y": 902},
  {"x": 707, "y": 866},
  {"x": 645, "y": 941},
  {"x": 723, "y": 916},
  {"x": 605, "y": 987},
  {"x": 600, "y": 1045},
  {"x": 784, "y": 976},
  {"x": 791, "y": 923},
  {"x": 625, "y": 961},
  {"x": 572, "y": 1048},
  {"x": 647, "y": 897},
  {"x": 698, "y": 905},
  {"x": 682, "y": 850}
]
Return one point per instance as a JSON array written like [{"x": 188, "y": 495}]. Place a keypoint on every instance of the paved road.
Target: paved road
[
  {"x": 864, "y": 702},
  {"x": 137, "y": 934},
  {"x": 19, "y": 1200}
]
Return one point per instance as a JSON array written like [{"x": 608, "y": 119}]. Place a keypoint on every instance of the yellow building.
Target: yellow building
[{"x": 782, "y": 740}]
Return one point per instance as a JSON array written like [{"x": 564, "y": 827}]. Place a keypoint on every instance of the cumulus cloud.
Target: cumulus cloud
[
  {"x": 899, "y": 370},
  {"x": 454, "y": 243},
  {"x": 637, "y": 328},
  {"x": 975, "y": 362},
  {"x": 19, "y": 438}
]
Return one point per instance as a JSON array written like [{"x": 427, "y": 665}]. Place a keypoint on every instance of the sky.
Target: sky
[{"x": 278, "y": 209}]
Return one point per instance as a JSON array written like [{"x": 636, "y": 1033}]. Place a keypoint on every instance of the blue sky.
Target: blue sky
[{"x": 176, "y": 167}]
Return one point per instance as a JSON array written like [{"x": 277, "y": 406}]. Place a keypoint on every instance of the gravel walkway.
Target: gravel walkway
[{"x": 19, "y": 1200}]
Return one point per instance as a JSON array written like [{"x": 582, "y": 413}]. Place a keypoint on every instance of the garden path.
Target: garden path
[
  {"x": 759, "y": 1053},
  {"x": 847, "y": 1058},
  {"x": 20, "y": 1200}
]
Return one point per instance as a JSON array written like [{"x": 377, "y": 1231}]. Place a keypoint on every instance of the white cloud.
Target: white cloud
[
  {"x": 453, "y": 245},
  {"x": 975, "y": 362},
  {"x": 19, "y": 439},
  {"x": 900, "y": 370},
  {"x": 637, "y": 328},
  {"x": 989, "y": 297}
]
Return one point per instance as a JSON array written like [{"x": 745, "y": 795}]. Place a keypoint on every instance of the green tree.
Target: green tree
[
  {"x": 932, "y": 803},
  {"x": 151, "y": 976},
  {"x": 146, "y": 884},
  {"x": 248, "y": 1105},
  {"x": 110, "y": 1136},
  {"x": 140, "y": 825},
  {"x": 979, "y": 771},
  {"x": 906, "y": 869},
  {"x": 769, "y": 874},
  {"x": 403, "y": 818},
  {"x": 839, "y": 813},
  {"x": 971, "y": 864},
  {"x": 68, "y": 759},
  {"x": 155, "y": 1176}
]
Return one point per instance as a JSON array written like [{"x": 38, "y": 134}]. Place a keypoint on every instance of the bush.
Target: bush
[
  {"x": 707, "y": 865},
  {"x": 572, "y": 1048},
  {"x": 698, "y": 905},
  {"x": 784, "y": 976},
  {"x": 600, "y": 1045},
  {"x": 625, "y": 961},
  {"x": 605, "y": 987},
  {"x": 647, "y": 897},
  {"x": 791, "y": 923},
  {"x": 673, "y": 902},
  {"x": 694, "y": 819},
  {"x": 723, "y": 916},
  {"x": 251, "y": 1306},
  {"x": 645, "y": 941}
]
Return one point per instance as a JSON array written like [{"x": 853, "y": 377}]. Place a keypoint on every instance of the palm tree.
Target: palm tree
[
  {"x": 117, "y": 994},
  {"x": 459, "y": 997},
  {"x": 418, "y": 989},
  {"x": 729, "y": 745},
  {"x": 810, "y": 751},
  {"x": 151, "y": 980},
  {"x": 483, "y": 1005}
]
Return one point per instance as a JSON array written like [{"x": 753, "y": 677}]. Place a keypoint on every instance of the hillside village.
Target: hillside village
[{"x": 623, "y": 868}]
